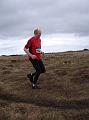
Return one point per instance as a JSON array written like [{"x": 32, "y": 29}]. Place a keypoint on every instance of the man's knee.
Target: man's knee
[
  {"x": 43, "y": 71},
  {"x": 38, "y": 71}
]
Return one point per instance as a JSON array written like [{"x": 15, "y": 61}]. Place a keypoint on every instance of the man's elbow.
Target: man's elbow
[{"x": 24, "y": 49}]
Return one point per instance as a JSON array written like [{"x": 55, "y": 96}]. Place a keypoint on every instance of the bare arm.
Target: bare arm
[{"x": 29, "y": 54}]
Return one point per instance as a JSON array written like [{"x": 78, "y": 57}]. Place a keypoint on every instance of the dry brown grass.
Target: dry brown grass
[{"x": 64, "y": 94}]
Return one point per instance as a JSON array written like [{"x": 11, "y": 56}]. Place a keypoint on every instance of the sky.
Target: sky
[{"x": 64, "y": 24}]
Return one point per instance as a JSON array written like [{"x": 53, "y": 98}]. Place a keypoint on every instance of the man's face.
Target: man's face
[{"x": 38, "y": 34}]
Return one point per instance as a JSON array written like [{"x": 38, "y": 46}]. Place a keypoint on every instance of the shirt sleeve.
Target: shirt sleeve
[{"x": 28, "y": 44}]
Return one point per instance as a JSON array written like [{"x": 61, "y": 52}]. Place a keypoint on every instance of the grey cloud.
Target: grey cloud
[{"x": 19, "y": 17}]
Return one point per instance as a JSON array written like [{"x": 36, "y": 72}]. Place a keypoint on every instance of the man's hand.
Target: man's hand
[
  {"x": 42, "y": 53},
  {"x": 33, "y": 57}
]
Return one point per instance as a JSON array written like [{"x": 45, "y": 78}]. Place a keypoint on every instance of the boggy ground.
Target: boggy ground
[{"x": 64, "y": 94}]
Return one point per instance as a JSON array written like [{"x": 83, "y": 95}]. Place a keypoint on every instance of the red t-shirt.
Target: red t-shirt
[{"x": 34, "y": 45}]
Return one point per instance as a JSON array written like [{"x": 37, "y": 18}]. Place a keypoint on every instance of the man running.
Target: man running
[{"x": 33, "y": 50}]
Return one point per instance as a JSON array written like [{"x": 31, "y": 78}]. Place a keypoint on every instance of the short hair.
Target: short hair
[{"x": 36, "y": 31}]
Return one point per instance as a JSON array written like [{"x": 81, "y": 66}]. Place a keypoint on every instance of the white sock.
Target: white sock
[
  {"x": 31, "y": 73},
  {"x": 33, "y": 85}
]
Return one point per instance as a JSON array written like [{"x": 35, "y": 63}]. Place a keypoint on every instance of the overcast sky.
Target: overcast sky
[{"x": 18, "y": 18}]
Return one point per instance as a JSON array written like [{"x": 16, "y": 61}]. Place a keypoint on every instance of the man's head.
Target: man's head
[{"x": 37, "y": 32}]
